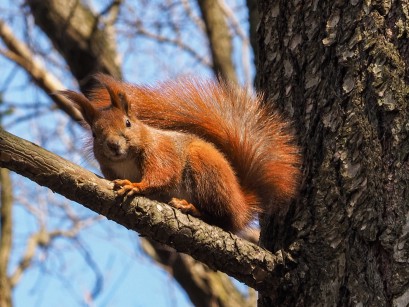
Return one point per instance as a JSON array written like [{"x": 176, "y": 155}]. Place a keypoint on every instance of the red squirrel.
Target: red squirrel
[{"x": 209, "y": 149}]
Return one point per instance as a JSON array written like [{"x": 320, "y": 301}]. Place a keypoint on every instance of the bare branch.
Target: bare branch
[
  {"x": 36, "y": 239},
  {"x": 111, "y": 11},
  {"x": 220, "y": 250},
  {"x": 197, "y": 278},
  {"x": 45, "y": 238},
  {"x": 21, "y": 54},
  {"x": 196, "y": 19},
  {"x": 173, "y": 41}
]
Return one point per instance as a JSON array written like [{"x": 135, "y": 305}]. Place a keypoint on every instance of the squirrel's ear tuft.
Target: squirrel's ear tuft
[
  {"x": 82, "y": 104},
  {"x": 116, "y": 93},
  {"x": 121, "y": 100}
]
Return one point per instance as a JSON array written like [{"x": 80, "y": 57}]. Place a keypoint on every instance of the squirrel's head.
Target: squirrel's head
[{"x": 106, "y": 113}]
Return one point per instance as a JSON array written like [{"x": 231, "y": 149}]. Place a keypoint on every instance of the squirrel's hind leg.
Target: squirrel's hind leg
[{"x": 184, "y": 206}]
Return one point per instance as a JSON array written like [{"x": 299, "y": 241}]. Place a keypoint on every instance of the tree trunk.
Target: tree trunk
[
  {"x": 220, "y": 39},
  {"x": 6, "y": 219},
  {"x": 340, "y": 70},
  {"x": 82, "y": 38}
]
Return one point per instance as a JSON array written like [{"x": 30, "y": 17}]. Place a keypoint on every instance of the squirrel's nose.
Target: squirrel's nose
[{"x": 113, "y": 145}]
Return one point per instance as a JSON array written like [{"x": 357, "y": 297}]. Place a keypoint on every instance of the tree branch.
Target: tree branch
[
  {"x": 42, "y": 238},
  {"x": 220, "y": 250},
  {"x": 21, "y": 54},
  {"x": 204, "y": 286},
  {"x": 36, "y": 239},
  {"x": 139, "y": 29}
]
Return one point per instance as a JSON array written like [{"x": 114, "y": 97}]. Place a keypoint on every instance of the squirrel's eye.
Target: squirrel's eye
[
  {"x": 93, "y": 134},
  {"x": 128, "y": 123}
]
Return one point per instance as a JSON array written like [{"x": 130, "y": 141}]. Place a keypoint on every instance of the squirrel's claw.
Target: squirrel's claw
[{"x": 124, "y": 187}]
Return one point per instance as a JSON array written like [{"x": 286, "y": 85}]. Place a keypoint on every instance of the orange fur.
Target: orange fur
[{"x": 213, "y": 145}]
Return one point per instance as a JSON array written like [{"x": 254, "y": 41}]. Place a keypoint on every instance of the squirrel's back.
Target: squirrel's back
[{"x": 256, "y": 140}]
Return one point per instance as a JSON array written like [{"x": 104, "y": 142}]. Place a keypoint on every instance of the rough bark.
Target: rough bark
[
  {"x": 220, "y": 39},
  {"x": 341, "y": 70},
  {"x": 219, "y": 250},
  {"x": 6, "y": 235}
]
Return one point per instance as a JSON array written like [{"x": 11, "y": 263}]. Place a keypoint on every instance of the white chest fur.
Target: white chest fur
[{"x": 126, "y": 169}]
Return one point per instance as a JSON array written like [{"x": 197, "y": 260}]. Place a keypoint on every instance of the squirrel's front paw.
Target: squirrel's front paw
[{"x": 125, "y": 187}]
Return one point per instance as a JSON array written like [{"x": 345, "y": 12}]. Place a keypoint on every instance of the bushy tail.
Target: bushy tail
[{"x": 256, "y": 141}]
